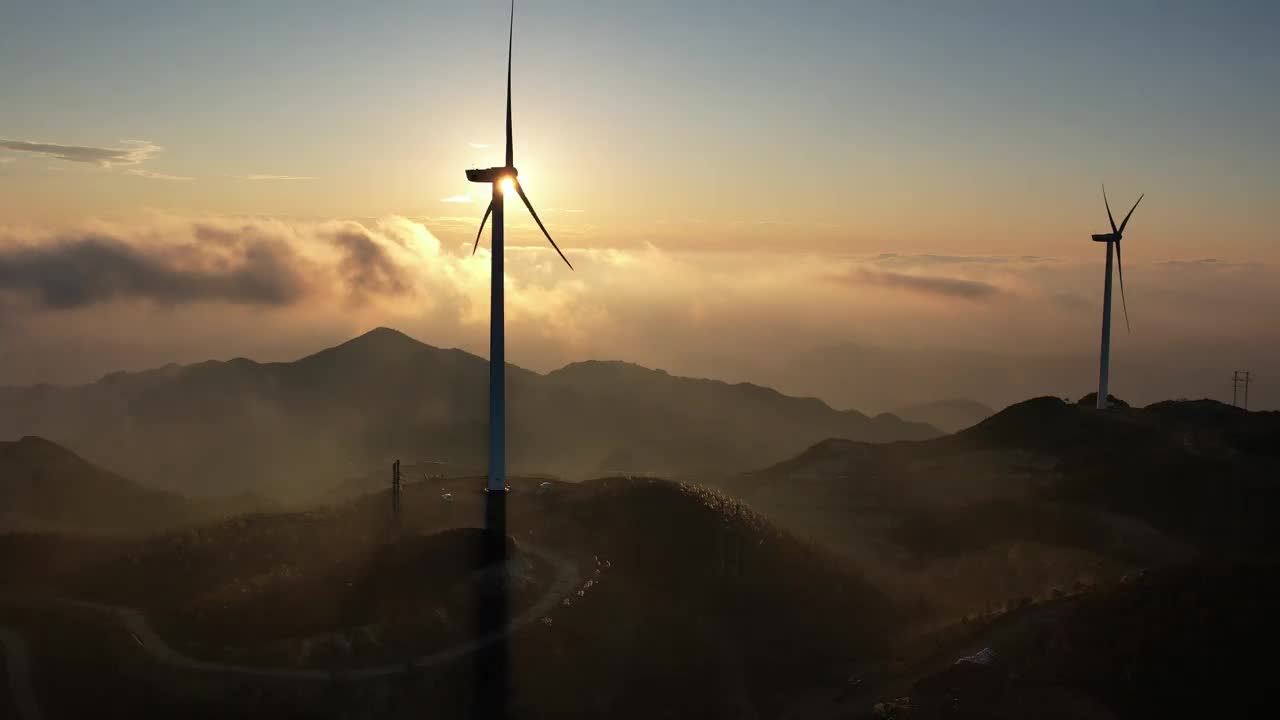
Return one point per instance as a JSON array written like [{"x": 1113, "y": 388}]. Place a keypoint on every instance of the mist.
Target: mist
[{"x": 870, "y": 332}]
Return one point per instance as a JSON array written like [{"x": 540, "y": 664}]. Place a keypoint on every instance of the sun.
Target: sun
[{"x": 507, "y": 184}]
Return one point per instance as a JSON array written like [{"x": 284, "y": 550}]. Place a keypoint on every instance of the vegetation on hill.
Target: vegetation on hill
[
  {"x": 1190, "y": 641},
  {"x": 688, "y": 601}
]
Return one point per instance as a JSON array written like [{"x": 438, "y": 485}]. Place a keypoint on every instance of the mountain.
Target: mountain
[
  {"x": 717, "y": 420},
  {"x": 948, "y": 415},
  {"x": 297, "y": 428},
  {"x": 43, "y": 485},
  {"x": 1042, "y": 494}
]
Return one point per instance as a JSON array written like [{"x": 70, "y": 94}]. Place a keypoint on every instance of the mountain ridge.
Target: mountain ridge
[{"x": 288, "y": 427}]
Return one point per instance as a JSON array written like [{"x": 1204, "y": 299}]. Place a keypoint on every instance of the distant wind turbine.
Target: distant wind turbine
[
  {"x": 503, "y": 179},
  {"x": 1111, "y": 239}
]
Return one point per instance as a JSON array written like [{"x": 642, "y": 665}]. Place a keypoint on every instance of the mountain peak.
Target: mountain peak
[
  {"x": 380, "y": 340},
  {"x": 383, "y": 335},
  {"x": 606, "y": 369}
]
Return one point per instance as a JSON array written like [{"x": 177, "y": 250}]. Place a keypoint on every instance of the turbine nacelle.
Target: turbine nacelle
[
  {"x": 503, "y": 178},
  {"x": 491, "y": 175},
  {"x": 1115, "y": 236}
]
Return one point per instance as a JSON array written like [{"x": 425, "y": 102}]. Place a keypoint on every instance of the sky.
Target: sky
[{"x": 736, "y": 182}]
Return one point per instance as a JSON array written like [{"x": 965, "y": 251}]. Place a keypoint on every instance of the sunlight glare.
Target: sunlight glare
[{"x": 507, "y": 185}]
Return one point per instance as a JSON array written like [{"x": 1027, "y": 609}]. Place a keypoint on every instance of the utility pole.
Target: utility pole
[
  {"x": 395, "y": 489},
  {"x": 1238, "y": 378}
]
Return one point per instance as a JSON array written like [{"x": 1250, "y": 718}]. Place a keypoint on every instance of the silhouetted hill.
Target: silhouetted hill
[
  {"x": 1091, "y": 400},
  {"x": 299, "y": 427},
  {"x": 1044, "y": 493},
  {"x": 723, "y": 425},
  {"x": 704, "y": 600},
  {"x": 948, "y": 415},
  {"x": 43, "y": 485}
]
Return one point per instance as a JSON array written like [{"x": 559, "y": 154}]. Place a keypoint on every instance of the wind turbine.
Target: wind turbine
[
  {"x": 1111, "y": 239},
  {"x": 503, "y": 179}
]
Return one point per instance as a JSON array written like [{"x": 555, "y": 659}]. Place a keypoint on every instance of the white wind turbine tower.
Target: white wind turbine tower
[
  {"x": 503, "y": 179},
  {"x": 1112, "y": 239}
]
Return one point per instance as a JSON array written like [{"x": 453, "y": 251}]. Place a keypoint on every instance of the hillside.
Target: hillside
[
  {"x": 720, "y": 419},
  {"x": 1044, "y": 494},
  {"x": 1176, "y": 642},
  {"x": 687, "y": 601},
  {"x": 949, "y": 415},
  {"x": 45, "y": 486},
  {"x": 298, "y": 428}
]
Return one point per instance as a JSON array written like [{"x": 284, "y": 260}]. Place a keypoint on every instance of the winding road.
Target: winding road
[{"x": 18, "y": 665}]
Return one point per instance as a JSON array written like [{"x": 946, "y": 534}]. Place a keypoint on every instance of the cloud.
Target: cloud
[
  {"x": 77, "y": 272},
  {"x": 134, "y": 152},
  {"x": 154, "y": 175},
  {"x": 185, "y": 289},
  {"x": 367, "y": 266},
  {"x": 924, "y": 284},
  {"x": 4, "y": 160},
  {"x": 457, "y": 199},
  {"x": 273, "y": 177},
  {"x": 929, "y": 260},
  {"x": 479, "y": 146},
  {"x": 250, "y": 261},
  {"x": 1072, "y": 301}
]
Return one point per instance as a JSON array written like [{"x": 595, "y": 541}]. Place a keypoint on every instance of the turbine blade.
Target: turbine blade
[
  {"x": 1126, "y": 217},
  {"x": 1104, "y": 202},
  {"x": 480, "y": 232},
  {"x": 511, "y": 30},
  {"x": 1123, "y": 303},
  {"x": 534, "y": 213}
]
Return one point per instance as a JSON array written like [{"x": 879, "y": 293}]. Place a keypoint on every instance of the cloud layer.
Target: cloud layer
[
  {"x": 950, "y": 287},
  {"x": 78, "y": 272},
  {"x": 89, "y": 299},
  {"x": 268, "y": 178},
  {"x": 155, "y": 175},
  {"x": 133, "y": 152}
]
